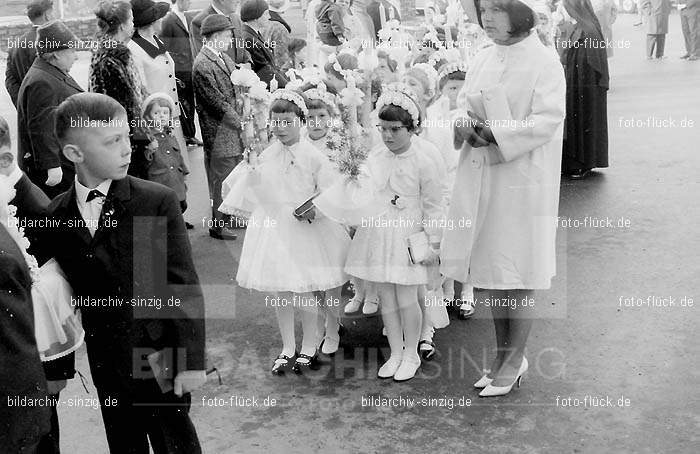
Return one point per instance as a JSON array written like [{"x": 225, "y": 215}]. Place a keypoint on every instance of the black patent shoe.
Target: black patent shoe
[
  {"x": 304, "y": 362},
  {"x": 426, "y": 349},
  {"x": 281, "y": 365},
  {"x": 579, "y": 174}
]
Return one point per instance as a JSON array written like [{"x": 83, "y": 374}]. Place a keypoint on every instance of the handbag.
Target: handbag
[{"x": 418, "y": 247}]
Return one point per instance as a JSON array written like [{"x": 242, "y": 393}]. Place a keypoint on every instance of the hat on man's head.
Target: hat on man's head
[
  {"x": 53, "y": 36},
  {"x": 253, "y": 9},
  {"x": 147, "y": 11},
  {"x": 216, "y": 23},
  {"x": 36, "y": 8},
  {"x": 279, "y": 6}
]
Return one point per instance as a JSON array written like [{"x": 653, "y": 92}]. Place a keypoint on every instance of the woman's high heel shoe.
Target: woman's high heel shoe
[
  {"x": 484, "y": 381},
  {"x": 493, "y": 391}
]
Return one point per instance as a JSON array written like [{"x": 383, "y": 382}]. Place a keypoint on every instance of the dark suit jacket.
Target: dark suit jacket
[
  {"x": 43, "y": 89},
  {"x": 19, "y": 60},
  {"x": 140, "y": 250},
  {"x": 177, "y": 41},
  {"x": 237, "y": 52},
  {"x": 21, "y": 374},
  {"x": 275, "y": 16},
  {"x": 219, "y": 117},
  {"x": 263, "y": 61}
]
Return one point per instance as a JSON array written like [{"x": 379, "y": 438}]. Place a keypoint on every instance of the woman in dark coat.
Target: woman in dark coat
[
  {"x": 587, "y": 82},
  {"x": 114, "y": 73}
]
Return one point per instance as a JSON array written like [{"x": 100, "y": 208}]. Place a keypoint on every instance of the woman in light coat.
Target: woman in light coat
[{"x": 506, "y": 195}]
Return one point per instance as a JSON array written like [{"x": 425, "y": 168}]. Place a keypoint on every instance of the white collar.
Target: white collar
[
  {"x": 15, "y": 176},
  {"x": 217, "y": 10},
  {"x": 81, "y": 192}
]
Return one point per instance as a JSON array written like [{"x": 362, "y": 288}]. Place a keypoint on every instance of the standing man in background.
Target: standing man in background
[
  {"x": 175, "y": 33},
  {"x": 690, "y": 23},
  {"x": 228, "y": 8},
  {"x": 20, "y": 58},
  {"x": 656, "y": 13}
]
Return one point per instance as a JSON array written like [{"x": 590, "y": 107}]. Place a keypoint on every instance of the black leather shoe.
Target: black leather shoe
[
  {"x": 222, "y": 235},
  {"x": 193, "y": 142},
  {"x": 188, "y": 226},
  {"x": 580, "y": 174}
]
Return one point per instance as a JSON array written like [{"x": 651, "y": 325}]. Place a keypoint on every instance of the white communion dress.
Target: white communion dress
[{"x": 280, "y": 252}]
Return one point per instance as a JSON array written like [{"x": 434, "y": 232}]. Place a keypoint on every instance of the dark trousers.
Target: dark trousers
[
  {"x": 162, "y": 419},
  {"x": 185, "y": 94},
  {"x": 49, "y": 443},
  {"x": 656, "y": 42},
  {"x": 218, "y": 168},
  {"x": 690, "y": 24}
]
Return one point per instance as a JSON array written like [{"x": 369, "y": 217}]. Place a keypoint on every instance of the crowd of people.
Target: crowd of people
[{"x": 420, "y": 163}]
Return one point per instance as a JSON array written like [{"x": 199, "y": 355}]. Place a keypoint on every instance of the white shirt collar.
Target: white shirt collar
[
  {"x": 15, "y": 176},
  {"x": 81, "y": 192}
]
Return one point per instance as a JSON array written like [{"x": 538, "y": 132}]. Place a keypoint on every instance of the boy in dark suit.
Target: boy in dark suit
[
  {"x": 124, "y": 250},
  {"x": 255, "y": 15}
]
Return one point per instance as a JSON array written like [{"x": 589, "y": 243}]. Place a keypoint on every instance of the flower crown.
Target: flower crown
[
  {"x": 429, "y": 72},
  {"x": 399, "y": 95},
  {"x": 291, "y": 96},
  {"x": 319, "y": 93},
  {"x": 452, "y": 67}
]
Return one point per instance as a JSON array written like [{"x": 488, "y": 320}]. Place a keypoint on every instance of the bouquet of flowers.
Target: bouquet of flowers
[{"x": 252, "y": 100}]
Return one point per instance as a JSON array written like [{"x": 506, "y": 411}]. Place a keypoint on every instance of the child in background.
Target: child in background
[{"x": 163, "y": 160}]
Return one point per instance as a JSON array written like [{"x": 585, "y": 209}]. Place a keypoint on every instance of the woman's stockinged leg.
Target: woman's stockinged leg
[
  {"x": 411, "y": 316},
  {"x": 391, "y": 318},
  {"x": 285, "y": 321},
  {"x": 518, "y": 329},
  {"x": 500, "y": 324}
]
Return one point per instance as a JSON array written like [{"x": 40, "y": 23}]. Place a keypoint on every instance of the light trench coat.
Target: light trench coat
[{"x": 506, "y": 196}]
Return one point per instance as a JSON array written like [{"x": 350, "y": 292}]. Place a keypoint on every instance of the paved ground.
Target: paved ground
[{"x": 586, "y": 343}]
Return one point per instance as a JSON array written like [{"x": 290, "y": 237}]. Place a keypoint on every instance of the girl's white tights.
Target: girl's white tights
[
  {"x": 402, "y": 316},
  {"x": 285, "y": 319}
]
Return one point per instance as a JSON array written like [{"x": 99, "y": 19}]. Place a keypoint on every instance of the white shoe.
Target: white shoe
[
  {"x": 353, "y": 306},
  {"x": 493, "y": 391},
  {"x": 408, "y": 368},
  {"x": 330, "y": 345},
  {"x": 370, "y": 307},
  {"x": 484, "y": 381},
  {"x": 389, "y": 368}
]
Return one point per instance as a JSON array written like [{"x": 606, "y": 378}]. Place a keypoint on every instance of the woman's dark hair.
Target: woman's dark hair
[
  {"x": 84, "y": 109},
  {"x": 5, "y": 140},
  {"x": 317, "y": 104},
  {"x": 284, "y": 106},
  {"x": 457, "y": 75},
  {"x": 111, "y": 14},
  {"x": 391, "y": 112},
  {"x": 347, "y": 61},
  {"x": 522, "y": 18}
]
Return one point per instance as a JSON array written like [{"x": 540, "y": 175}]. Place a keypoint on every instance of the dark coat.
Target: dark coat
[
  {"x": 177, "y": 41},
  {"x": 43, "y": 89},
  {"x": 263, "y": 61},
  {"x": 277, "y": 17},
  {"x": 219, "y": 116},
  {"x": 19, "y": 60},
  {"x": 166, "y": 165},
  {"x": 21, "y": 374},
  {"x": 140, "y": 250},
  {"x": 113, "y": 73},
  {"x": 237, "y": 52}
]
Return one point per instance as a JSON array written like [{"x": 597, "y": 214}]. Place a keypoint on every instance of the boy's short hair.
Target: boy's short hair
[
  {"x": 5, "y": 140},
  {"x": 83, "y": 110},
  {"x": 37, "y": 8}
]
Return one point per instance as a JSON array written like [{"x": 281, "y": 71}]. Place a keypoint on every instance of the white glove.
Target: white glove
[
  {"x": 189, "y": 380},
  {"x": 55, "y": 176}
]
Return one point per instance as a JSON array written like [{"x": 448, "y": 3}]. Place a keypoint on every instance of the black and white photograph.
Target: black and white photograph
[{"x": 349, "y": 226}]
